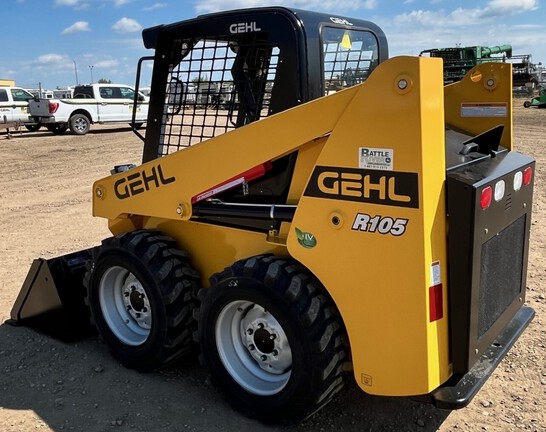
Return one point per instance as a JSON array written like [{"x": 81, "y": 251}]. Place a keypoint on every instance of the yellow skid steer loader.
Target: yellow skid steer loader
[{"x": 306, "y": 209}]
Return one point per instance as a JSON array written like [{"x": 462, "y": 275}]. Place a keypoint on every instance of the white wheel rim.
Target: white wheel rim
[
  {"x": 80, "y": 124},
  {"x": 253, "y": 348},
  {"x": 125, "y": 306}
]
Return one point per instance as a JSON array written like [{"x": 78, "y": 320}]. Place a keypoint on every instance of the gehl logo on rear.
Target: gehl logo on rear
[
  {"x": 141, "y": 181},
  {"x": 400, "y": 189},
  {"x": 248, "y": 27}
]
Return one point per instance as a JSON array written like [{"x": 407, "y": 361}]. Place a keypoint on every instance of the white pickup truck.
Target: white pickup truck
[
  {"x": 94, "y": 103},
  {"x": 14, "y": 106}
]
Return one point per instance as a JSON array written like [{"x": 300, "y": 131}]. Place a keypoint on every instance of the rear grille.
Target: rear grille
[
  {"x": 500, "y": 273},
  {"x": 508, "y": 202}
]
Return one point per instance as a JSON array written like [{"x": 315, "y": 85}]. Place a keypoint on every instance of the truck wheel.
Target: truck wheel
[
  {"x": 136, "y": 126},
  {"x": 79, "y": 124},
  {"x": 526, "y": 104},
  {"x": 142, "y": 292},
  {"x": 57, "y": 128},
  {"x": 272, "y": 339}
]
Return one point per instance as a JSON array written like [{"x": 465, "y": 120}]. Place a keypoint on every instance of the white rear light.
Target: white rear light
[
  {"x": 518, "y": 180},
  {"x": 500, "y": 187}
]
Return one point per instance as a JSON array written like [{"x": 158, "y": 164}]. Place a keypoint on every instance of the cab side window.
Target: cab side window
[
  {"x": 349, "y": 56},
  {"x": 127, "y": 93},
  {"x": 20, "y": 95},
  {"x": 3, "y": 95},
  {"x": 107, "y": 93}
]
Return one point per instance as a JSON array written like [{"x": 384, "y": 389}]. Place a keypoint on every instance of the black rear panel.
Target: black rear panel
[{"x": 487, "y": 253}]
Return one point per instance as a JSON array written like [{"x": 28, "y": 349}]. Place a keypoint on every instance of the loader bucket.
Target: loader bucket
[{"x": 52, "y": 298}]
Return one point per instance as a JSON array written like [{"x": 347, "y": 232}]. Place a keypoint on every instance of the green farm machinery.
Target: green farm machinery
[
  {"x": 539, "y": 101},
  {"x": 459, "y": 60}
]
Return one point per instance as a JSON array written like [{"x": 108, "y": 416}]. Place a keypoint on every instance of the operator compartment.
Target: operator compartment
[{"x": 220, "y": 72}]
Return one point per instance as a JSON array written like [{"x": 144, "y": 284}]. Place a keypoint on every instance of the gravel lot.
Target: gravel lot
[{"x": 52, "y": 386}]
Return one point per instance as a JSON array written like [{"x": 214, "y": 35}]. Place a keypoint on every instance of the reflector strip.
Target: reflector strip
[
  {"x": 436, "y": 302},
  {"x": 244, "y": 177}
]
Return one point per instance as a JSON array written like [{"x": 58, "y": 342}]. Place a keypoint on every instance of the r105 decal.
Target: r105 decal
[{"x": 382, "y": 225}]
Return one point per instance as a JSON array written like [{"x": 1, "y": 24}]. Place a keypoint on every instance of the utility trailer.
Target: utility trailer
[
  {"x": 7, "y": 125},
  {"x": 338, "y": 213}
]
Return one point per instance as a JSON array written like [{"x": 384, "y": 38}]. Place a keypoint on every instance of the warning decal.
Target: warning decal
[
  {"x": 435, "y": 278},
  {"x": 484, "y": 109}
]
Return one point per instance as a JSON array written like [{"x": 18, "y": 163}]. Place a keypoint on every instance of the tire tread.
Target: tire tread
[
  {"x": 178, "y": 284},
  {"x": 302, "y": 293}
]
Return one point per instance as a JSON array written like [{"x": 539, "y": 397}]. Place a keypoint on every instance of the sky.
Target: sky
[{"x": 54, "y": 43}]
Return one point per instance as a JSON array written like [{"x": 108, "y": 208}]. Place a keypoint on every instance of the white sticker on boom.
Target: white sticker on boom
[
  {"x": 435, "y": 276},
  {"x": 375, "y": 158},
  {"x": 484, "y": 109}
]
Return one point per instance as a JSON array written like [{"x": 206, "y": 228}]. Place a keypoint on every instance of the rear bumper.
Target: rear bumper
[
  {"x": 42, "y": 120},
  {"x": 459, "y": 391}
]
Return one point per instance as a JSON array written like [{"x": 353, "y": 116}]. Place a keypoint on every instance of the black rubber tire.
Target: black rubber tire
[
  {"x": 166, "y": 282},
  {"x": 136, "y": 126},
  {"x": 79, "y": 124},
  {"x": 33, "y": 127},
  {"x": 311, "y": 325},
  {"x": 526, "y": 104},
  {"x": 57, "y": 128}
]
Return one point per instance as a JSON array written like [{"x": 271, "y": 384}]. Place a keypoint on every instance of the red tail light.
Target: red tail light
[
  {"x": 436, "y": 303},
  {"x": 527, "y": 175},
  {"x": 53, "y": 107},
  {"x": 486, "y": 196}
]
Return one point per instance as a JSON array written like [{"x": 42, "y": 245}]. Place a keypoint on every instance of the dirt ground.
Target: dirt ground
[{"x": 49, "y": 385}]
